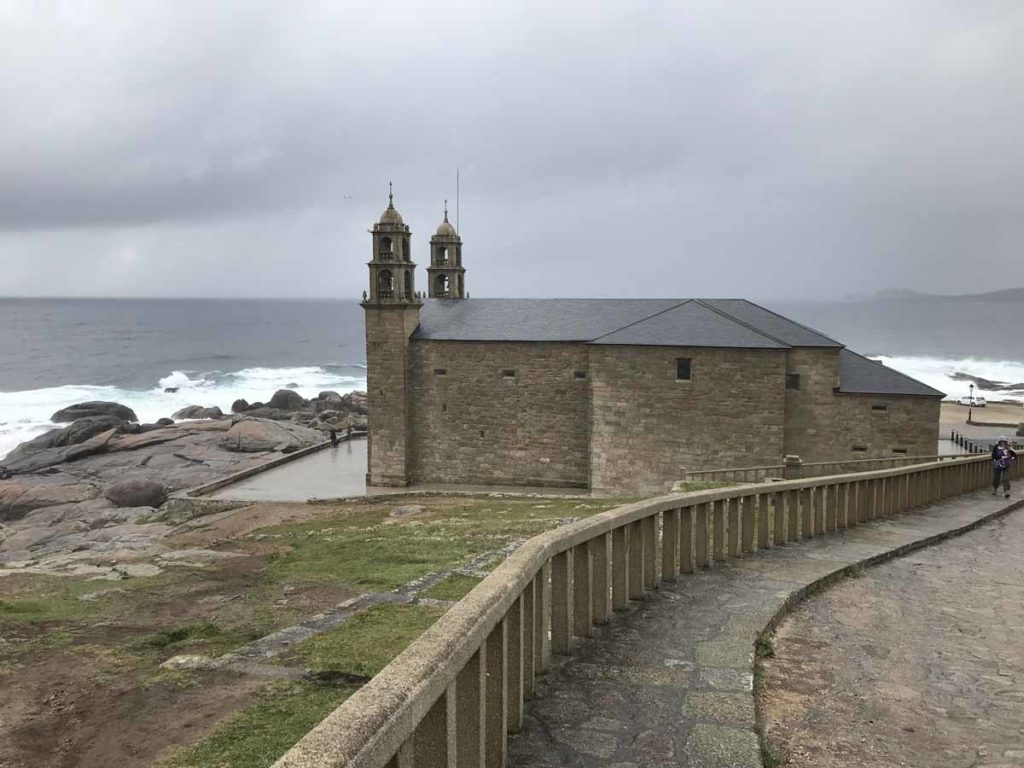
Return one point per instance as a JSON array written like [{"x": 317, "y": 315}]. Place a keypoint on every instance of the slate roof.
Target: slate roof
[
  {"x": 644, "y": 322},
  {"x": 859, "y": 375},
  {"x": 735, "y": 323}
]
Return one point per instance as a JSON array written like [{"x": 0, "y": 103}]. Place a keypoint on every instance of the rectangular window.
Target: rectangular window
[
  {"x": 879, "y": 407},
  {"x": 440, "y": 371},
  {"x": 579, "y": 375},
  {"x": 902, "y": 451},
  {"x": 792, "y": 381},
  {"x": 682, "y": 369},
  {"x": 859, "y": 449},
  {"x": 508, "y": 373}
]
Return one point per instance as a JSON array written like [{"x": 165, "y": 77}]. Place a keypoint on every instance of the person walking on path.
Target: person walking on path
[{"x": 1002, "y": 457}]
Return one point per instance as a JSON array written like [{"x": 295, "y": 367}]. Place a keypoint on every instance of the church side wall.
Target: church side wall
[
  {"x": 474, "y": 425},
  {"x": 810, "y": 409},
  {"x": 648, "y": 428},
  {"x": 823, "y": 425},
  {"x": 909, "y": 424}
]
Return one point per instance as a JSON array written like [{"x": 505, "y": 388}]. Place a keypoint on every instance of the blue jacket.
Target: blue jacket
[{"x": 1002, "y": 457}]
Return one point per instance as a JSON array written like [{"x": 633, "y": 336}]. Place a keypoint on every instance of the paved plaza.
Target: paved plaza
[{"x": 670, "y": 682}]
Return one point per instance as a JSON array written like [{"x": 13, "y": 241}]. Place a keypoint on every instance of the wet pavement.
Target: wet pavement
[{"x": 670, "y": 681}]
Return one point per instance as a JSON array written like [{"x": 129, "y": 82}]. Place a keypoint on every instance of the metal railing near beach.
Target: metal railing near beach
[
  {"x": 452, "y": 697},
  {"x": 770, "y": 472}
]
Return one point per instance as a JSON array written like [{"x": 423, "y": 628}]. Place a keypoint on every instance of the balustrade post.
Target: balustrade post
[
  {"x": 734, "y": 527},
  {"x": 779, "y": 523},
  {"x": 793, "y": 515},
  {"x": 496, "y": 723},
  {"x": 748, "y": 512},
  {"x": 670, "y": 545},
  {"x": 702, "y": 522},
  {"x": 686, "y": 559},
  {"x": 471, "y": 692},
  {"x": 764, "y": 520},
  {"x": 514, "y": 665},
  {"x": 582, "y": 582},
  {"x": 601, "y": 607},
  {"x": 832, "y": 509},
  {"x": 542, "y": 622},
  {"x": 561, "y": 602},
  {"x": 636, "y": 561},
  {"x": 620, "y": 568},
  {"x": 529, "y": 640},
  {"x": 806, "y": 513},
  {"x": 649, "y": 525},
  {"x": 718, "y": 529},
  {"x": 433, "y": 741}
]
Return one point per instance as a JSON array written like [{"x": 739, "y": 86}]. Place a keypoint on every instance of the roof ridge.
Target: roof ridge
[
  {"x": 641, "y": 320},
  {"x": 794, "y": 322},
  {"x": 746, "y": 325}
]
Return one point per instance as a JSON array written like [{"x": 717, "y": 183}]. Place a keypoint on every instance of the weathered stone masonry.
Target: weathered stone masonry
[{"x": 621, "y": 396}]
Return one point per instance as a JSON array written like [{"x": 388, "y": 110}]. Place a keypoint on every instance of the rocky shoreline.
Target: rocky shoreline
[{"x": 95, "y": 484}]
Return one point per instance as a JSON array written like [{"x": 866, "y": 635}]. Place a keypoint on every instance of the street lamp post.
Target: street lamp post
[{"x": 970, "y": 405}]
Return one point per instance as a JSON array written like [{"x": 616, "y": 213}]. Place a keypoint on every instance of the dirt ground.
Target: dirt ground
[
  {"x": 80, "y": 656},
  {"x": 917, "y": 663}
]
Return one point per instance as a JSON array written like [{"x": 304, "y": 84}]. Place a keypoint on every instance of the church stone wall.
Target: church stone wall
[
  {"x": 810, "y": 409},
  {"x": 907, "y": 423},
  {"x": 473, "y": 424},
  {"x": 388, "y": 329},
  {"x": 647, "y": 428}
]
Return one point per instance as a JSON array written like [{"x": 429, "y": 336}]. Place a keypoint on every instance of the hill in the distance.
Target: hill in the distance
[{"x": 1007, "y": 296}]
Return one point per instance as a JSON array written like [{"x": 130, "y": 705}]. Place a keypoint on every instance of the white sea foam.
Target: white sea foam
[
  {"x": 26, "y": 414},
  {"x": 938, "y": 372}
]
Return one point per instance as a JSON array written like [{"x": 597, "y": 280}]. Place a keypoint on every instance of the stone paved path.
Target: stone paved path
[
  {"x": 670, "y": 682},
  {"x": 918, "y": 663}
]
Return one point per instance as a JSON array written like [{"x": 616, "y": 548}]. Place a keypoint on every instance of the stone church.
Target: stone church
[{"x": 616, "y": 395}]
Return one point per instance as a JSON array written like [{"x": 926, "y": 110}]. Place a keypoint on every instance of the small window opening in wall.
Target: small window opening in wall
[
  {"x": 879, "y": 407},
  {"x": 579, "y": 375},
  {"x": 444, "y": 408},
  {"x": 792, "y": 381},
  {"x": 902, "y": 451},
  {"x": 508, "y": 373},
  {"x": 482, "y": 433},
  {"x": 682, "y": 369},
  {"x": 859, "y": 449},
  {"x": 440, "y": 371}
]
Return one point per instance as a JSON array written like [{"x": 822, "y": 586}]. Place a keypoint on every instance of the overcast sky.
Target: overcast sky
[{"x": 763, "y": 149}]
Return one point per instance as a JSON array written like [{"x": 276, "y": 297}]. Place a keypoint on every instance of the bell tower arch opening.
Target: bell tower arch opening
[{"x": 445, "y": 275}]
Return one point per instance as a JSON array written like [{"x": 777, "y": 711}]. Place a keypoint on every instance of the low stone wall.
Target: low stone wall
[{"x": 452, "y": 697}]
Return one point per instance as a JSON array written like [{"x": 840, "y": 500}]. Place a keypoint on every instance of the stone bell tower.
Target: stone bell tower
[
  {"x": 392, "y": 312},
  {"x": 445, "y": 275}
]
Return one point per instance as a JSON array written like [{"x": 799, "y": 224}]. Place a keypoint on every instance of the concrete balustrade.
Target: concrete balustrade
[
  {"x": 770, "y": 472},
  {"x": 451, "y": 699}
]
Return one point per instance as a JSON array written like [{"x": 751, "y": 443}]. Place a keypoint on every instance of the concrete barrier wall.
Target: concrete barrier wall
[{"x": 451, "y": 697}]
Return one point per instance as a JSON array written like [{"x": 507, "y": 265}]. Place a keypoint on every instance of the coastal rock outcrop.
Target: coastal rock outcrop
[
  {"x": 22, "y": 460},
  {"x": 255, "y": 435},
  {"x": 94, "y": 408},
  {"x": 19, "y": 497},
  {"x": 198, "y": 412},
  {"x": 240, "y": 405},
  {"x": 136, "y": 492},
  {"x": 355, "y": 402},
  {"x": 287, "y": 400}
]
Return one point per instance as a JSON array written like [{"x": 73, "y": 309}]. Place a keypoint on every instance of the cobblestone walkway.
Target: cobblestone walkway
[
  {"x": 919, "y": 663},
  {"x": 670, "y": 681}
]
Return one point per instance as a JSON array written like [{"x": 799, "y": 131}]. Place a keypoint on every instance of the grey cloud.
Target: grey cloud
[{"x": 156, "y": 148}]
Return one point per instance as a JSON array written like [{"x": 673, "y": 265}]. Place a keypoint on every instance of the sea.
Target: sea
[{"x": 157, "y": 356}]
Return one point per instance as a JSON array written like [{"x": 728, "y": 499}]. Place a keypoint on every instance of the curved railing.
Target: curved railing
[
  {"x": 768, "y": 472},
  {"x": 451, "y": 697}
]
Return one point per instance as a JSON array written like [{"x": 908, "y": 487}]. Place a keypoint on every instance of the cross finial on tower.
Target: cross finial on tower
[
  {"x": 446, "y": 210},
  {"x": 391, "y": 197}
]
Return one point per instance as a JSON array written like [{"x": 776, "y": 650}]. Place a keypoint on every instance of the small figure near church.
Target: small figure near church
[{"x": 1003, "y": 457}]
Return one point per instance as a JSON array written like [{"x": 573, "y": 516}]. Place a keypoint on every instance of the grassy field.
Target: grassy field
[{"x": 96, "y": 647}]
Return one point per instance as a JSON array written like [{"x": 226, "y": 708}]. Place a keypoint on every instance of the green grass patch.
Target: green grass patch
[
  {"x": 764, "y": 648},
  {"x": 207, "y": 637},
  {"x": 454, "y": 587},
  {"x": 261, "y": 733},
  {"x": 372, "y": 552},
  {"x": 365, "y": 643}
]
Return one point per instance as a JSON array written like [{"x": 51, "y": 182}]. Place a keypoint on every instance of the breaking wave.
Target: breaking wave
[
  {"x": 26, "y": 414},
  {"x": 948, "y": 375}
]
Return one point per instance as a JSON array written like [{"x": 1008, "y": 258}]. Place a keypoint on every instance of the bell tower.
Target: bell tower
[
  {"x": 392, "y": 313},
  {"x": 445, "y": 275}
]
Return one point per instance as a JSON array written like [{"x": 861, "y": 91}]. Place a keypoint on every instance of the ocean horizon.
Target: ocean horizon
[{"x": 159, "y": 355}]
